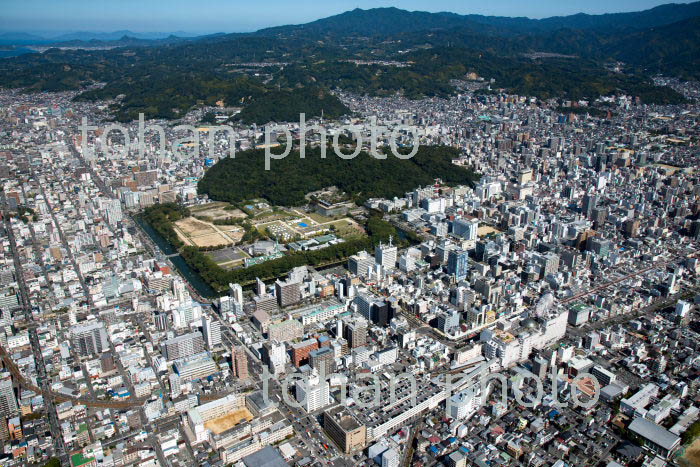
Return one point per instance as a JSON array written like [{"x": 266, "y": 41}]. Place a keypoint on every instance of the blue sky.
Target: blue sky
[{"x": 205, "y": 16}]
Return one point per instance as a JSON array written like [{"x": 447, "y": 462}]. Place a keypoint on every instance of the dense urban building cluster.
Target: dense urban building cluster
[{"x": 546, "y": 316}]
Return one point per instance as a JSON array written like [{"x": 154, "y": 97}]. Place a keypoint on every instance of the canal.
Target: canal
[{"x": 180, "y": 264}]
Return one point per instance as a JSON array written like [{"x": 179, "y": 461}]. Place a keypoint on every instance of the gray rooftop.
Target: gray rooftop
[
  {"x": 266, "y": 457},
  {"x": 654, "y": 433}
]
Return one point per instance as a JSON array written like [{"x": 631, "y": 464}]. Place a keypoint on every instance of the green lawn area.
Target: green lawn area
[
  {"x": 344, "y": 228},
  {"x": 274, "y": 214},
  {"x": 319, "y": 218},
  {"x": 79, "y": 459}
]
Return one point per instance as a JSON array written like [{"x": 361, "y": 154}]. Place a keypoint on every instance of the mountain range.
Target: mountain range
[
  {"x": 25, "y": 38},
  {"x": 391, "y": 20},
  {"x": 557, "y": 57}
]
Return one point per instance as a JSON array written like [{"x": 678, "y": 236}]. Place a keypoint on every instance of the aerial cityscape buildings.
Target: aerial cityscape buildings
[{"x": 542, "y": 313}]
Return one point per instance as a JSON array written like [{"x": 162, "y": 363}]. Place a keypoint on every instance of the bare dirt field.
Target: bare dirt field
[
  {"x": 203, "y": 234},
  {"x": 217, "y": 211},
  {"x": 692, "y": 454},
  {"x": 209, "y": 240},
  {"x": 486, "y": 229},
  {"x": 234, "y": 232},
  {"x": 229, "y": 420},
  {"x": 193, "y": 227}
]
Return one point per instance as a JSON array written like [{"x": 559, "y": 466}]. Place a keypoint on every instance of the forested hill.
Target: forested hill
[
  {"x": 286, "y": 105},
  {"x": 392, "y": 20},
  {"x": 285, "y": 184},
  {"x": 273, "y": 70}
]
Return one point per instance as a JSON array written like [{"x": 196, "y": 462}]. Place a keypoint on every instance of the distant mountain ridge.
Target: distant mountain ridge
[
  {"x": 663, "y": 39},
  {"x": 116, "y": 35},
  {"x": 22, "y": 38},
  {"x": 124, "y": 41},
  {"x": 553, "y": 58},
  {"x": 392, "y": 20}
]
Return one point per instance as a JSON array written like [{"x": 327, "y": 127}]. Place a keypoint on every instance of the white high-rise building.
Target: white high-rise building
[
  {"x": 8, "y": 401},
  {"x": 277, "y": 356},
  {"x": 180, "y": 291},
  {"x": 260, "y": 286},
  {"x": 682, "y": 308},
  {"x": 183, "y": 346},
  {"x": 211, "y": 329},
  {"x": 385, "y": 256},
  {"x": 226, "y": 305},
  {"x": 360, "y": 264},
  {"x": 236, "y": 292},
  {"x": 466, "y": 228},
  {"x": 186, "y": 313},
  {"x": 89, "y": 339},
  {"x": 312, "y": 393},
  {"x": 175, "y": 387},
  {"x": 407, "y": 263},
  {"x": 464, "y": 404},
  {"x": 391, "y": 458},
  {"x": 113, "y": 209}
]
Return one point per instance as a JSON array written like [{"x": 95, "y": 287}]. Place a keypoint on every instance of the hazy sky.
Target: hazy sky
[{"x": 202, "y": 16}]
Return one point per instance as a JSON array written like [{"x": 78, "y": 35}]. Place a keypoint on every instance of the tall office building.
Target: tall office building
[
  {"x": 355, "y": 332},
  {"x": 549, "y": 263},
  {"x": 186, "y": 313},
  {"x": 448, "y": 321},
  {"x": 89, "y": 339},
  {"x": 598, "y": 215},
  {"x": 266, "y": 303},
  {"x": 631, "y": 227},
  {"x": 239, "y": 362},
  {"x": 591, "y": 341},
  {"x": 374, "y": 309},
  {"x": 599, "y": 246},
  {"x": 588, "y": 204},
  {"x": 322, "y": 360},
  {"x": 302, "y": 350},
  {"x": 233, "y": 303},
  {"x": 695, "y": 229},
  {"x": 8, "y": 401},
  {"x": 458, "y": 263},
  {"x": 260, "y": 287},
  {"x": 175, "y": 386},
  {"x": 360, "y": 264},
  {"x": 391, "y": 458},
  {"x": 211, "y": 329},
  {"x": 183, "y": 346},
  {"x": 539, "y": 367},
  {"x": 180, "y": 292},
  {"x": 162, "y": 321},
  {"x": 381, "y": 313},
  {"x": 466, "y": 228},
  {"x": 287, "y": 292},
  {"x": 226, "y": 305},
  {"x": 386, "y": 255},
  {"x": 113, "y": 209},
  {"x": 236, "y": 292},
  {"x": 312, "y": 393},
  {"x": 274, "y": 356},
  {"x": 343, "y": 428}
]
